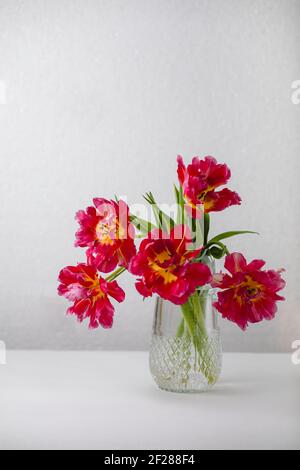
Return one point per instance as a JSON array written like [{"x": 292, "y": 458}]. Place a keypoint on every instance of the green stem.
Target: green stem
[
  {"x": 180, "y": 330},
  {"x": 115, "y": 274},
  {"x": 194, "y": 319},
  {"x": 189, "y": 318},
  {"x": 198, "y": 312}
]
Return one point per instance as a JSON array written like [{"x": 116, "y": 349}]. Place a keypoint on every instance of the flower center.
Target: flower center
[
  {"x": 166, "y": 274},
  {"x": 248, "y": 290},
  {"x": 163, "y": 256},
  {"x": 94, "y": 288},
  {"x": 252, "y": 288},
  {"x": 106, "y": 232},
  {"x": 252, "y": 291},
  {"x": 100, "y": 294}
]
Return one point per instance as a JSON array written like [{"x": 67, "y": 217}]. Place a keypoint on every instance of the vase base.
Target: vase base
[
  {"x": 187, "y": 391},
  {"x": 176, "y": 366}
]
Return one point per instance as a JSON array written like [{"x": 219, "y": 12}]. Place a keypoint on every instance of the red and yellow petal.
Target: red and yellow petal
[
  {"x": 165, "y": 267},
  {"x": 216, "y": 201},
  {"x": 90, "y": 293},
  {"x": 250, "y": 294}
]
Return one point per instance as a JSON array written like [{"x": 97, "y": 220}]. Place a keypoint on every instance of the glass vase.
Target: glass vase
[{"x": 186, "y": 350}]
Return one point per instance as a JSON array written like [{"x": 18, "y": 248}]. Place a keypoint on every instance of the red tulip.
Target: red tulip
[
  {"x": 249, "y": 295},
  {"x": 107, "y": 232},
  {"x": 165, "y": 266},
  {"x": 200, "y": 181},
  {"x": 90, "y": 294}
]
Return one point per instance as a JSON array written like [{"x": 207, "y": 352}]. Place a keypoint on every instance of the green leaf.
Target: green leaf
[
  {"x": 225, "y": 235},
  {"x": 206, "y": 227},
  {"x": 142, "y": 225},
  {"x": 176, "y": 193},
  {"x": 221, "y": 245},
  {"x": 217, "y": 252},
  {"x": 163, "y": 221},
  {"x": 180, "y": 202}
]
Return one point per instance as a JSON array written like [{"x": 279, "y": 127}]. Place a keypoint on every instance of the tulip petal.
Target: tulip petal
[
  {"x": 216, "y": 201},
  {"x": 181, "y": 171},
  {"x": 143, "y": 290},
  {"x": 255, "y": 265},
  {"x": 235, "y": 262},
  {"x": 115, "y": 291}
]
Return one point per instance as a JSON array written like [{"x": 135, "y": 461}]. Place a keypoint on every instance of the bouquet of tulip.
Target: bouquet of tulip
[{"x": 174, "y": 260}]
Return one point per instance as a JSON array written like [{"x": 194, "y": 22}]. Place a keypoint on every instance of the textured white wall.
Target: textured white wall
[{"x": 101, "y": 95}]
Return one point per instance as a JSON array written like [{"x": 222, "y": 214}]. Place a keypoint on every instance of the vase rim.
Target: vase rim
[{"x": 207, "y": 289}]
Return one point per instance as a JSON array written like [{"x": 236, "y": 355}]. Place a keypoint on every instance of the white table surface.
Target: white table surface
[{"x": 107, "y": 400}]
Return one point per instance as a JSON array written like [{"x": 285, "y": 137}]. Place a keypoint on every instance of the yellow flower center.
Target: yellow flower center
[
  {"x": 253, "y": 288},
  {"x": 95, "y": 288},
  {"x": 163, "y": 256},
  {"x": 106, "y": 233},
  {"x": 165, "y": 273}
]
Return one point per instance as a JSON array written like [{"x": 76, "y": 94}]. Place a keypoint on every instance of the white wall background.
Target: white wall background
[{"x": 101, "y": 95}]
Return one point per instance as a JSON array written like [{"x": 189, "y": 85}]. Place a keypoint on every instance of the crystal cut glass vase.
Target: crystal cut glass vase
[{"x": 186, "y": 351}]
